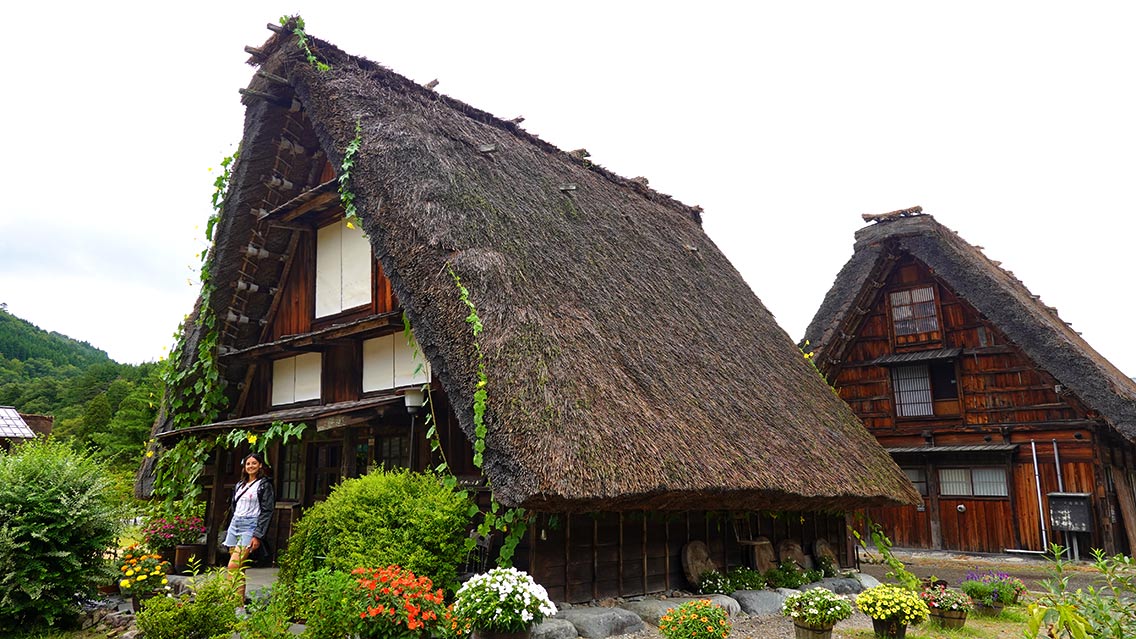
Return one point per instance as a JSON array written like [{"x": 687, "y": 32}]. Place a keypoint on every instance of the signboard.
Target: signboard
[{"x": 1070, "y": 512}]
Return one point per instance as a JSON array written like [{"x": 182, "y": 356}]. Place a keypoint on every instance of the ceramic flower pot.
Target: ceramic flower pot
[
  {"x": 888, "y": 629},
  {"x": 949, "y": 618},
  {"x": 811, "y": 632},
  {"x": 479, "y": 633}
]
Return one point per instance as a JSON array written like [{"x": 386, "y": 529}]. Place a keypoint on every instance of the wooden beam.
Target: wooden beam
[
  {"x": 276, "y": 28},
  {"x": 310, "y": 200},
  {"x": 270, "y": 316},
  {"x": 255, "y": 53},
  {"x": 267, "y": 97},
  {"x": 273, "y": 78}
]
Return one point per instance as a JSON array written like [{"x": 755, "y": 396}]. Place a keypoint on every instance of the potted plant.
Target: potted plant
[
  {"x": 891, "y": 609},
  {"x": 169, "y": 535},
  {"x": 502, "y": 603},
  {"x": 394, "y": 602},
  {"x": 700, "y": 619},
  {"x": 1006, "y": 589},
  {"x": 948, "y": 606},
  {"x": 815, "y": 611},
  {"x": 142, "y": 575}
]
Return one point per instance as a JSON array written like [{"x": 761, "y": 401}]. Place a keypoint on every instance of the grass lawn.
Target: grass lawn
[{"x": 1011, "y": 623}]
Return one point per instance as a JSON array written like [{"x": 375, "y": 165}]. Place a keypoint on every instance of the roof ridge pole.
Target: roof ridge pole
[{"x": 1040, "y": 507}]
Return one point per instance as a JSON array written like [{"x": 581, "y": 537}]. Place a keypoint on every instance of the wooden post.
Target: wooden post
[{"x": 620, "y": 554}]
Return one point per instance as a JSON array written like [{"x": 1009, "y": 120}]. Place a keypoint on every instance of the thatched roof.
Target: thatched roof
[
  {"x": 628, "y": 363},
  {"x": 994, "y": 292}
]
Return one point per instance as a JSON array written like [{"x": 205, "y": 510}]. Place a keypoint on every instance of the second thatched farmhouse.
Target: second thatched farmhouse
[{"x": 637, "y": 391}]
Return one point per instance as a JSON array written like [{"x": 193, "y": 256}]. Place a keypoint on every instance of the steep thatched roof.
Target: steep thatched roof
[
  {"x": 992, "y": 291},
  {"x": 628, "y": 363}
]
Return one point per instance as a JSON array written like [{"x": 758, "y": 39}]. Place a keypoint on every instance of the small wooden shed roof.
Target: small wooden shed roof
[{"x": 993, "y": 291}]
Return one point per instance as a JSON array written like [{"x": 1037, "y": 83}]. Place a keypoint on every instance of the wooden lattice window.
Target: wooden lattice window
[
  {"x": 918, "y": 478},
  {"x": 290, "y": 474},
  {"x": 977, "y": 482},
  {"x": 913, "y": 312},
  {"x": 912, "y": 386}
]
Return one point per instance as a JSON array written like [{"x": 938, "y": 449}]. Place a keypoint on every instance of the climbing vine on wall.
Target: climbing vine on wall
[
  {"x": 194, "y": 393},
  {"x": 346, "y": 195},
  {"x": 511, "y": 522},
  {"x": 302, "y": 42}
]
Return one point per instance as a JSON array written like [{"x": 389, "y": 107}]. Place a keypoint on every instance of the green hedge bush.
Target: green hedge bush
[
  {"x": 384, "y": 518},
  {"x": 58, "y": 515},
  {"x": 209, "y": 613}
]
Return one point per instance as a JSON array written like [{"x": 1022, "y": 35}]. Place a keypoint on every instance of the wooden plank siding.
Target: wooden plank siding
[
  {"x": 593, "y": 556},
  {"x": 1003, "y": 398}
]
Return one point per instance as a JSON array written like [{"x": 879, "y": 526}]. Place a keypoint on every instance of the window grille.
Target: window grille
[
  {"x": 954, "y": 481},
  {"x": 989, "y": 482},
  {"x": 912, "y": 386},
  {"x": 913, "y": 311},
  {"x": 290, "y": 474},
  {"x": 918, "y": 478},
  {"x": 979, "y": 482}
]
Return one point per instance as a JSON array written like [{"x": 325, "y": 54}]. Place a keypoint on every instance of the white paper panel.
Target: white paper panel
[
  {"x": 356, "y": 268},
  {"x": 329, "y": 270},
  {"x": 308, "y": 368},
  {"x": 284, "y": 381},
  {"x": 378, "y": 363},
  {"x": 405, "y": 364}
]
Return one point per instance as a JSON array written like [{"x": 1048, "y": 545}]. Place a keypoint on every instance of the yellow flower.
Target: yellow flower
[
  {"x": 149, "y": 453},
  {"x": 141, "y": 577},
  {"x": 125, "y": 583},
  {"x": 165, "y": 581},
  {"x": 350, "y": 225},
  {"x": 252, "y": 439},
  {"x": 129, "y": 573}
]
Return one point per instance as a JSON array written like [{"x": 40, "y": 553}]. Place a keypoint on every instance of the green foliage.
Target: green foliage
[
  {"x": 787, "y": 574},
  {"x": 194, "y": 391},
  {"x": 826, "y": 566},
  {"x": 327, "y": 605},
  {"x": 743, "y": 578},
  {"x": 21, "y": 340},
  {"x": 714, "y": 582},
  {"x": 209, "y": 613},
  {"x": 513, "y": 522},
  {"x": 383, "y": 518},
  {"x": 695, "y": 620},
  {"x": 346, "y": 196},
  {"x": 268, "y": 616},
  {"x": 892, "y": 603},
  {"x": 897, "y": 570},
  {"x": 302, "y": 42},
  {"x": 1109, "y": 611},
  {"x": 816, "y": 608},
  {"x": 58, "y": 513}
]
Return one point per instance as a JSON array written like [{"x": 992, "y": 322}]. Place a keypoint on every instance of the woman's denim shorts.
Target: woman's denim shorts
[{"x": 240, "y": 532}]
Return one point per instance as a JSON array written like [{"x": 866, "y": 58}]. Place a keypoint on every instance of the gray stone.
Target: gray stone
[
  {"x": 651, "y": 610},
  {"x": 598, "y": 623},
  {"x": 866, "y": 580},
  {"x": 839, "y": 585},
  {"x": 761, "y": 602},
  {"x": 555, "y": 629}
]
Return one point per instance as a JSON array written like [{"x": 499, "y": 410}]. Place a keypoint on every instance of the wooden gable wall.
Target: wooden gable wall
[{"x": 1003, "y": 398}]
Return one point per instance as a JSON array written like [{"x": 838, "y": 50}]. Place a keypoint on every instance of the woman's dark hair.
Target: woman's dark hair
[{"x": 265, "y": 469}]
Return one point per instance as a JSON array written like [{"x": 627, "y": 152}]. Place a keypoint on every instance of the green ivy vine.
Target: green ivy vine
[
  {"x": 194, "y": 393},
  {"x": 179, "y": 468},
  {"x": 346, "y": 196},
  {"x": 302, "y": 42},
  {"x": 511, "y": 522}
]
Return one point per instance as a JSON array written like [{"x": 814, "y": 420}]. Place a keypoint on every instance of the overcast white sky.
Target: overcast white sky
[{"x": 1012, "y": 123}]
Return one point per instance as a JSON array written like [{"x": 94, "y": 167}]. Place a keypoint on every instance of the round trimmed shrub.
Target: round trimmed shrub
[
  {"x": 58, "y": 514},
  {"x": 383, "y": 518}
]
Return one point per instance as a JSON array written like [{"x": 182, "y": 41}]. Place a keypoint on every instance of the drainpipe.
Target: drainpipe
[{"x": 1040, "y": 505}]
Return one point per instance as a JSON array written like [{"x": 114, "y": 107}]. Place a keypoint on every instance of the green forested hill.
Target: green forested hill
[
  {"x": 22, "y": 340},
  {"x": 97, "y": 403}
]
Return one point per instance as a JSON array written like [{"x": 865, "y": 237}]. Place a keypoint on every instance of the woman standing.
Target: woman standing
[{"x": 254, "y": 499}]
